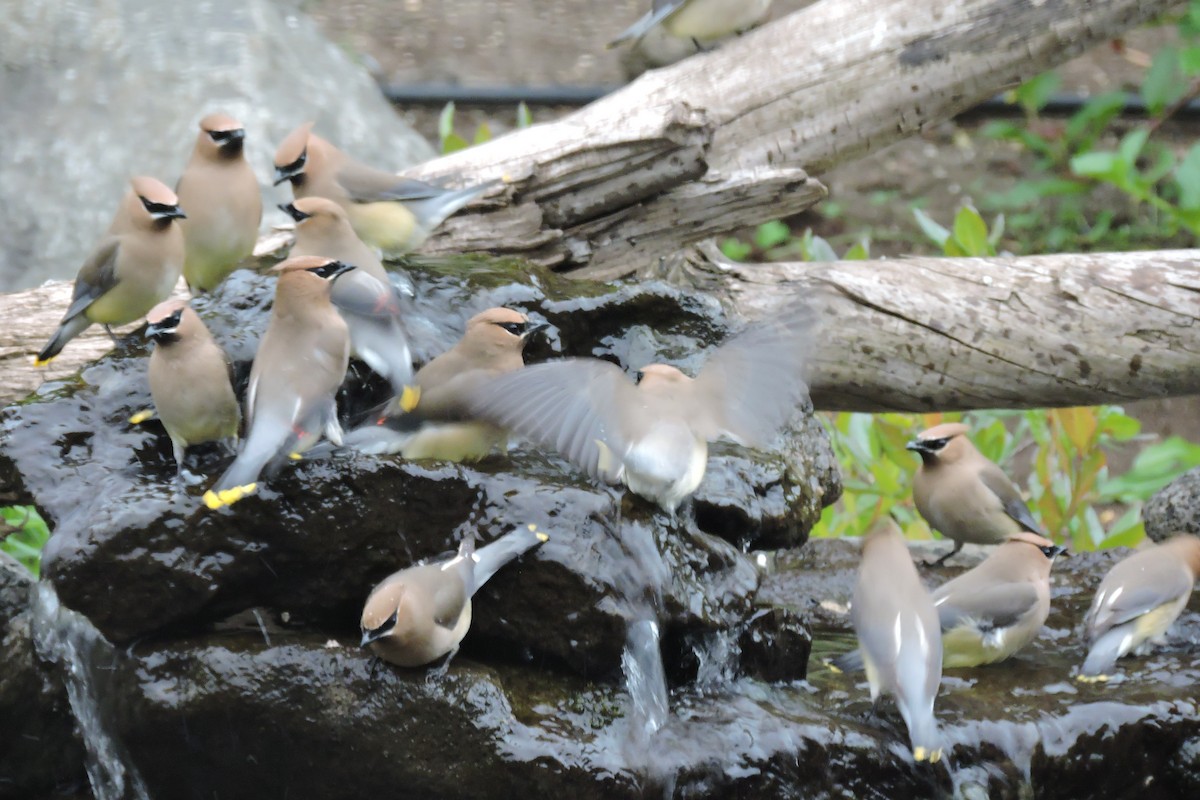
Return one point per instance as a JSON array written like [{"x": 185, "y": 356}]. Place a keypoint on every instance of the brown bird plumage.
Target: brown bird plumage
[
  {"x": 223, "y": 202},
  {"x": 133, "y": 268},
  {"x": 300, "y": 363},
  {"x": 1137, "y": 602},
  {"x": 189, "y": 380},
  {"x": 963, "y": 495}
]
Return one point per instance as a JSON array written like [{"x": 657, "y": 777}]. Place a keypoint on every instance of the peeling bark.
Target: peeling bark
[{"x": 730, "y": 138}]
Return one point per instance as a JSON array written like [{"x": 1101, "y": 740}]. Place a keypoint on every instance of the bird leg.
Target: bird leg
[
  {"x": 439, "y": 672},
  {"x": 375, "y": 662},
  {"x": 115, "y": 339},
  {"x": 940, "y": 561}
]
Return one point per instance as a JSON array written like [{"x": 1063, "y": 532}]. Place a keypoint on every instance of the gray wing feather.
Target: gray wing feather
[
  {"x": 1160, "y": 582},
  {"x": 757, "y": 378},
  {"x": 997, "y": 606},
  {"x": 1014, "y": 505},
  {"x": 567, "y": 405},
  {"x": 658, "y": 12},
  {"x": 96, "y": 276}
]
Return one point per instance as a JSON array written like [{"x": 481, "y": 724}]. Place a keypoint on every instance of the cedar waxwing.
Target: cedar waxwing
[
  {"x": 899, "y": 636},
  {"x": 990, "y": 612},
  {"x": 419, "y": 614},
  {"x": 1138, "y": 600},
  {"x": 189, "y": 380},
  {"x": 300, "y": 363},
  {"x": 132, "y": 269},
  {"x": 366, "y": 299},
  {"x": 434, "y": 421},
  {"x": 964, "y": 496},
  {"x": 701, "y": 21},
  {"x": 653, "y": 435},
  {"x": 224, "y": 204},
  {"x": 389, "y": 212}
]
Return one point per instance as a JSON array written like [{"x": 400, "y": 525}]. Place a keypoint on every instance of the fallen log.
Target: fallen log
[
  {"x": 730, "y": 138},
  {"x": 912, "y": 334}
]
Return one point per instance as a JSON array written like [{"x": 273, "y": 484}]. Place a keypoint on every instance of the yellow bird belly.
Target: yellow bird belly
[{"x": 387, "y": 225}]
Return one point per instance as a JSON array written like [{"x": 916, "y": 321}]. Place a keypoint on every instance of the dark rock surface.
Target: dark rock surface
[
  {"x": 40, "y": 751},
  {"x": 139, "y": 556},
  {"x": 97, "y": 92},
  {"x": 1175, "y": 508}
]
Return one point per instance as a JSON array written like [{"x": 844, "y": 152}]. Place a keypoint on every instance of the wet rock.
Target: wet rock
[
  {"x": 140, "y": 556},
  {"x": 40, "y": 752},
  {"x": 774, "y": 646},
  {"x": 96, "y": 92},
  {"x": 1175, "y": 508}
]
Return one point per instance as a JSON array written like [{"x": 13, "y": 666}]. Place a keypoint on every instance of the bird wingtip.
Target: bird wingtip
[
  {"x": 39, "y": 361},
  {"x": 541, "y": 536}
]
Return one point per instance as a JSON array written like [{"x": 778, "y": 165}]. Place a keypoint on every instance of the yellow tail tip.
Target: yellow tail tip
[
  {"x": 923, "y": 754},
  {"x": 41, "y": 362},
  {"x": 141, "y": 416},
  {"x": 227, "y": 497},
  {"x": 295, "y": 456},
  {"x": 409, "y": 398},
  {"x": 833, "y": 668},
  {"x": 1092, "y": 678}
]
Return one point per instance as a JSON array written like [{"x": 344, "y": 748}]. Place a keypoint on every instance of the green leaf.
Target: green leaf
[
  {"x": 997, "y": 232},
  {"x": 524, "y": 115},
  {"x": 1187, "y": 177},
  {"x": 26, "y": 542},
  {"x": 970, "y": 232},
  {"x": 1086, "y": 125},
  {"x": 446, "y": 123},
  {"x": 771, "y": 234},
  {"x": 483, "y": 133},
  {"x": 1096, "y": 164},
  {"x": 1163, "y": 84},
  {"x": 861, "y": 251},
  {"x": 453, "y": 143},
  {"x": 736, "y": 249},
  {"x": 1132, "y": 145},
  {"x": 1189, "y": 60},
  {"x": 814, "y": 248},
  {"x": 935, "y": 232},
  {"x": 1036, "y": 92}
]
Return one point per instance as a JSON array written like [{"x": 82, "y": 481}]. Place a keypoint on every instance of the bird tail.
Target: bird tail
[
  {"x": 433, "y": 211},
  {"x": 923, "y": 731},
  {"x": 68, "y": 329},
  {"x": 640, "y": 28},
  {"x": 1103, "y": 655},
  {"x": 240, "y": 480},
  {"x": 847, "y": 662},
  {"x": 490, "y": 558}
]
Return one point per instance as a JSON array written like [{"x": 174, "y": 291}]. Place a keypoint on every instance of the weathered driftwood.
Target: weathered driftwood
[
  {"x": 914, "y": 334},
  {"x": 728, "y": 138},
  {"x": 925, "y": 334}
]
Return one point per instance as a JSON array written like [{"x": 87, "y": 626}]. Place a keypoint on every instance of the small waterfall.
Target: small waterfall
[
  {"x": 717, "y": 657},
  {"x": 69, "y": 639}
]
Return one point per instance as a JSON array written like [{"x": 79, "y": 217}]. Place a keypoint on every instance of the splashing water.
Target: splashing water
[{"x": 68, "y": 639}]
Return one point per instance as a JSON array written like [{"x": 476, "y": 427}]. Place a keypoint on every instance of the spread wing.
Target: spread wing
[
  {"x": 570, "y": 406},
  {"x": 1000, "y": 485},
  {"x": 996, "y": 606},
  {"x": 755, "y": 381},
  {"x": 97, "y": 275},
  {"x": 1135, "y": 587},
  {"x": 360, "y": 293}
]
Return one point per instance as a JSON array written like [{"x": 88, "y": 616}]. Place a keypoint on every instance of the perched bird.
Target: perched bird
[
  {"x": 701, "y": 21},
  {"x": 389, "y": 212},
  {"x": 420, "y": 614},
  {"x": 371, "y": 306},
  {"x": 132, "y": 269},
  {"x": 1138, "y": 600},
  {"x": 297, "y": 370},
  {"x": 223, "y": 201},
  {"x": 990, "y": 612},
  {"x": 899, "y": 636},
  {"x": 964, "y": 496},
  {"x": 436, "y": 421},
  {"x": 653, "y": 435},
  {"x": 189, "y": 380}
]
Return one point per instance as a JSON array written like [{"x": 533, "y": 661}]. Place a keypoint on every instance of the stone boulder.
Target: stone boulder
[
  {"x": 139, "y": 556},
  {"x": 1175, "y": 508},
  {"x": 97, "y": 92}
]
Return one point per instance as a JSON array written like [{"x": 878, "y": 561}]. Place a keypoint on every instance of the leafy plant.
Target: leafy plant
[
  {"x": 23, "y": 533},
  {"x": 1064, "y": 452},
  {"x": 970, "y": 236},
  {"x": 774, "y": 241},
  {"x": 450, "y": 141}
]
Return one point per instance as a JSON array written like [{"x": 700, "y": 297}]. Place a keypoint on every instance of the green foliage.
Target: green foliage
[
  {"x": 1064, "y": 452},
  {"x": 970, "y": 236},
  {"x": 450, "y": 141},
  {"x": 1088, "y": 152},
  {"x": 23, "y": 533},
  {"x": 774, "y": 241}
]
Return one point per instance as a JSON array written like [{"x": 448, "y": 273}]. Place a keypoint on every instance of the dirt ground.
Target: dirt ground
[{"x": 561, "y": 42}]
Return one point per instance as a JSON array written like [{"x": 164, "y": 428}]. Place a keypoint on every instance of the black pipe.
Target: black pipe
[{"x": 1059, "y": 105}]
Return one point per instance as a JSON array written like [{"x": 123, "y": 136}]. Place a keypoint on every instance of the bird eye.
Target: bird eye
[
  {"x": 937, "y": 444},
  {"x": 638, "y": 376},
  {"x": 515, "y": 328},
  {"x": 1051, "y": 551},
  {"x": 333, "y": 268},
  {"x": 220, "y": 137},
  {"x": 386, "y": 627}
]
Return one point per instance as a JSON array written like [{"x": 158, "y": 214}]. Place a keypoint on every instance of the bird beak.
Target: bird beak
[
  {"x": 293, "y": 212},
  {"x": 917, "y": 445},
  {"x": 237, "y": 135},
  {"x": 368, "y": 637},
  {"x": 287, "y": 173},
  {"x": 154, "y": 330},
  {"x": 169, "y": 212},
  {"x": 1061, "y": 552},
  {"x": 340, "y": 268},
  {"x": 532, "y": 329}
]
